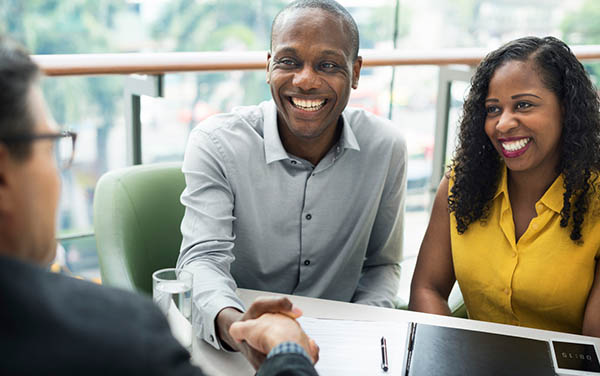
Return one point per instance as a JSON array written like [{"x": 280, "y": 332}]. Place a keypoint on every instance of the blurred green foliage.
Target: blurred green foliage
[
  {"x": 582, "y": 27},
  {"x": 74, "y": 26}
]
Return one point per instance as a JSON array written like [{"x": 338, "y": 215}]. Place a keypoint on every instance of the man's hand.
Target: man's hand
[
  {"x": 229, "y": 315},
  {"x": 271, "y": 329}
]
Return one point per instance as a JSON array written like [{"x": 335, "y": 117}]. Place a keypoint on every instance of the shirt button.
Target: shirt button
[
  {"x": 507, "y": 291},
  {"x": 308, "y": 217},
  {"x": 294, "y": 162},
  {"x": 514, "y": 254},
  {"x": 307, "y": 262},
  {"x": 534, "y": 226},
  {"x": 212, "y": 339}
]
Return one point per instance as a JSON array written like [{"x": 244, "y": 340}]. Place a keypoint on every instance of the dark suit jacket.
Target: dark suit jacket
[{"x": 56, "y": 325}]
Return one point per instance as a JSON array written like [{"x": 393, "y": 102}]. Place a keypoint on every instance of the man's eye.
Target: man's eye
[
  {"x": 328, "y": 65},
  {"x": 288, "y": 62}
]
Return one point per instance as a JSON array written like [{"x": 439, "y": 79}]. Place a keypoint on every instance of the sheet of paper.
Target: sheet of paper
[{"x": 350, "y": 347}]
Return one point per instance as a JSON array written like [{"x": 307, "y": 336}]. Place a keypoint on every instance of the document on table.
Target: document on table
[{"x": 349, "y": 347}]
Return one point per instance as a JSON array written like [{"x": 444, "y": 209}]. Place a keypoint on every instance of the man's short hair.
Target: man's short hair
[
  {"x": 330, "y": 6},
  {"x": 18, "y": 73}
]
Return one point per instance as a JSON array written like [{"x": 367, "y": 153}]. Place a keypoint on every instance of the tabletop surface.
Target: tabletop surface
[{"x": 217, "y": 362}]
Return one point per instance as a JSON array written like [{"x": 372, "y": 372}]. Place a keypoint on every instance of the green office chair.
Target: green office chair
[
  {"x": 137, "y": 215},
  {"x": 457, "y": 305}
]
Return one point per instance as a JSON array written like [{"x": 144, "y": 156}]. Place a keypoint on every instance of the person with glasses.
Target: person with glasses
[
  {"x": 53, "y": 324},
  {"x": 64, "y": 150}
]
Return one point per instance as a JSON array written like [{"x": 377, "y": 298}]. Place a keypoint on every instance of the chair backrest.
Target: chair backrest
[{"x": 137, "y": 217}]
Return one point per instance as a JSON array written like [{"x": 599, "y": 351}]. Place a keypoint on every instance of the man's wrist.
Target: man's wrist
[
  {"x": 223, "y": 321},
  {"x": 288, "y": 347}
]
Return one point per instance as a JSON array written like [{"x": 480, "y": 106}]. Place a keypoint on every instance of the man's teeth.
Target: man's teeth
[
  {"x": 515, "y": 145},
  {"x": 309, "y": 105}
]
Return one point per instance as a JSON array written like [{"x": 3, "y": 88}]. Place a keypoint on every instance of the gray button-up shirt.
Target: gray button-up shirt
[{"x": 264, "y": 219}]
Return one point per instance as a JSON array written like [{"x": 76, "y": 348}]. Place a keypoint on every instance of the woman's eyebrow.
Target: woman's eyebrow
[{"x": 524, "y": 95}]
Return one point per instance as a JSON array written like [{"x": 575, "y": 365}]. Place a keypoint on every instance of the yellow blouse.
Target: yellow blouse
[{"x": 541, "y": 281}]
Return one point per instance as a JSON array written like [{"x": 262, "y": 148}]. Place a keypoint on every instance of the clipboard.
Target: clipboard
[{"x": 438, "y": 350}]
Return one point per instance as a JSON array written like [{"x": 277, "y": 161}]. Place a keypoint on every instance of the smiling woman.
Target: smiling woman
[
  {"x": 516, "y": 221},
  {"x": 524, "y": 124}
]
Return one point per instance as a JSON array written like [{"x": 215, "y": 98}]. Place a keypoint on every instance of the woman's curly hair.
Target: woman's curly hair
[{"x": 476, "y": 163}]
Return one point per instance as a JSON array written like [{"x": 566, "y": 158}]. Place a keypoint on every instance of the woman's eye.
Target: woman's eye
[
  {"x": 523, "y": 105},
  {"x": 492, "y": 110}
]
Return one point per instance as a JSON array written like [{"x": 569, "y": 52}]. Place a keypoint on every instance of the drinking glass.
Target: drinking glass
[{"x": 172, "y": 292}]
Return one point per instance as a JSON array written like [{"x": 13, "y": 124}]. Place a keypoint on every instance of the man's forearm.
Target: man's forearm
[{"x": 378, "y": 286}]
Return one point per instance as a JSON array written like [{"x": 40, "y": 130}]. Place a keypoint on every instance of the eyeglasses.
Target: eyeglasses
[{"x": 65, "y": 145}]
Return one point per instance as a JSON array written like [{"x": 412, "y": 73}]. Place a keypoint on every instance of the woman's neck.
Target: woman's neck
[{"x": 529, "y": 185}]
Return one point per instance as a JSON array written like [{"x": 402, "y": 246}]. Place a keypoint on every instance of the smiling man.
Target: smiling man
[{"x": 300, "y": 194}]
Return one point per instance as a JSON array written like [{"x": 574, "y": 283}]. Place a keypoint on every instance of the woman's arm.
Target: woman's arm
[
  {"x": 591, "y": 317},
  {"x": 434, "y": 274}
]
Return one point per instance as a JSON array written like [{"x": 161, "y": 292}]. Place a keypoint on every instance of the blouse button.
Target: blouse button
[{"x": 507, "y": 291}]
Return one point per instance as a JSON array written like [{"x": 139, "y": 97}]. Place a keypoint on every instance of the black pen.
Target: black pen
[{"x": 384, "y": 358}]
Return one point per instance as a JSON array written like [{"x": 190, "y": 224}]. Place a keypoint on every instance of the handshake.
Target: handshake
[{"x": 267, "y": 323}]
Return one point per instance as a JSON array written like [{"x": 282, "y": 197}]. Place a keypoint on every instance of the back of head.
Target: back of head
[
  {"x": 17, "y": 74},
  {"x": 330, "y": 6}
]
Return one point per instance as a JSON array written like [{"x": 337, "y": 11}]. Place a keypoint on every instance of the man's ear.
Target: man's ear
[
  {"x": 268, "y": 67},
  {"x": 5, "y": 168},
  {"x": 356, "y": 71}
]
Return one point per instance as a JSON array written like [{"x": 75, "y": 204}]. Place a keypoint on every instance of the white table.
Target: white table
[{"x": 217, "y": 363}]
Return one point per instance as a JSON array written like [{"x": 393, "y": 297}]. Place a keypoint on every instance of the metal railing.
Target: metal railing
[
  {"x": 155, "y": 65},
  {"x": 161, "y": 63}
]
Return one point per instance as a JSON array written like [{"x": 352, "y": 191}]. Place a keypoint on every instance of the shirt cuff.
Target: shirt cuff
[
  {"x": 288, "y": 348},
  {"x": 205, "y": 319}
]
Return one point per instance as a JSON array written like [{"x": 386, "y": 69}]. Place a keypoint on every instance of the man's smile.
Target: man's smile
[{"x": 309, "y": 105}]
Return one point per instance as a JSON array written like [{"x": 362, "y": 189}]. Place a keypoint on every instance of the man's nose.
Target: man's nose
[
  {"x": 306, "y": 78},
  {"x": 507, "y": 122}
]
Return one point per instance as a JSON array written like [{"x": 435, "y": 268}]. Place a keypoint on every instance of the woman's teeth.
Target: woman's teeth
[{"x": 515, "y": 145}]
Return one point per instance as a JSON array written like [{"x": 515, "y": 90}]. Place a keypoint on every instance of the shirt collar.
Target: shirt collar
[
  {"x": 348, "y": 138},
  {"x": 502, "y": 187},
  {"x": 274, "y": 150},
  {"x": 552, "y": 198}
]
